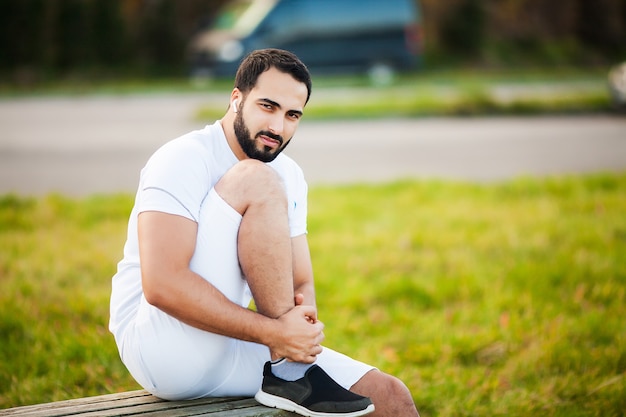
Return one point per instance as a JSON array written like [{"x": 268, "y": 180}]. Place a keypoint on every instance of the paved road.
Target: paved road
[{"x": 86, "y": 145}]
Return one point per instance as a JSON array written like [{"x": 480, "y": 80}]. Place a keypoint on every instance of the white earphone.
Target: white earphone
[{"x": 235, "y": 106}]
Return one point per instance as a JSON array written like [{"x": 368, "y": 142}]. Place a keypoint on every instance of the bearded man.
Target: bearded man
[{"x": 220, "y": 220}]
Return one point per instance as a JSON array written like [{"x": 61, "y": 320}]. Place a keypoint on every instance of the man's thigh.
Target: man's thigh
[
  {"x": 173, "y": 360},
  {"x": 216, "y": 254}
]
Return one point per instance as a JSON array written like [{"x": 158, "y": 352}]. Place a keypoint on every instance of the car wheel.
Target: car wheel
[
  {"x": 617, "y": 85},
  {"x": 381, "y": 74}
]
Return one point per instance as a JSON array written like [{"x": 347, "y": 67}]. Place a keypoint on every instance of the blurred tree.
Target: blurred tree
[
  {"x": 21, "y": 35},
  {"x": 161, "y": 47},
  {"x": 109, "y": 30},
  {"x": 60, "y": 37},
  {"x": 73, "y": 35},
  {"x": 463, "y": 30},
  {"x": 515, "y": 32},
  {"x": 601, "y": 25}
]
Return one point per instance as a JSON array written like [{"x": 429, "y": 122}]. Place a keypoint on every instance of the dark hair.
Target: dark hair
[{"x": 259, "y": 61}]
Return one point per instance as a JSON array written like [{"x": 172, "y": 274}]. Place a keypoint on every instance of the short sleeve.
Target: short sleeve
[
  {"x": 298, "y": 218},
  {"x": 175, "y": 180},
  {"x": 297, "y": 190}
]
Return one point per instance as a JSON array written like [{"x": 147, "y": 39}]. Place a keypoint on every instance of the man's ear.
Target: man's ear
[{"x": 235, "y": 99}]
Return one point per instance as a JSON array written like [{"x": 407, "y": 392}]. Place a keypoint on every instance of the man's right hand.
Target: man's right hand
[{"x": 298, "y": 337}]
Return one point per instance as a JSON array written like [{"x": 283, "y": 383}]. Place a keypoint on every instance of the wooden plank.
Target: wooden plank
[
  {"x": 138, "y": 396},
  {"x": 142, "y": 403}
]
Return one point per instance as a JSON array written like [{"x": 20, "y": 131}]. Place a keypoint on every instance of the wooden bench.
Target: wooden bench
[{"x": 134, "y": 403}]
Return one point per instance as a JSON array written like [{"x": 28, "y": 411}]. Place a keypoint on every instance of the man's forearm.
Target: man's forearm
[
  {"x": 198, "y": 303},
  {"x": 307, "y": 290},
  {"x": 303, "y": 282}
]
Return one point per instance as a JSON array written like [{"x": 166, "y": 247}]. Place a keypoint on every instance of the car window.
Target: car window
[
  {"x": 284, "y": 18},
  {"x": 354, "y": 14},
  {"x": 243, "y": 16}
]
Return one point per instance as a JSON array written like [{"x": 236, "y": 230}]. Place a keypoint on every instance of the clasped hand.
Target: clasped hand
[{"x": 300, "y": 336}]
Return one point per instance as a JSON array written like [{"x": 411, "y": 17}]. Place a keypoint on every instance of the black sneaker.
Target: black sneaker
[{"x": 314, "y": 395}]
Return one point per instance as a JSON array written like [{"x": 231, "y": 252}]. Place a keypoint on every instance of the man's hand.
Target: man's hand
[
  {"x": 300, "y": 335},
  {"x": 299, "y": 300}
]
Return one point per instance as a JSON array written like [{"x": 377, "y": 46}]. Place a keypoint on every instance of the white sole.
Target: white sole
[{"x": 273, "y": 401}]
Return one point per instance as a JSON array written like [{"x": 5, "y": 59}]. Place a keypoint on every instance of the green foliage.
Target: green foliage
[
  {"x": 464, "y": 29},
  {"x": 492, "y": 299},
  {"x": 90, "y": 39},
  {"x": 82, "y": 40}
]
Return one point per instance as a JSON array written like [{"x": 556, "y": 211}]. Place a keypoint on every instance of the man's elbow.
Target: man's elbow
[{"x": 155, "y": 292}]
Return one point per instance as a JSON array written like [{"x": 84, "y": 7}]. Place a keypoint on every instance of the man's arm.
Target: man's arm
[
  {"x": 166, "y": 244},
  {"x": 303, "y": 281}
]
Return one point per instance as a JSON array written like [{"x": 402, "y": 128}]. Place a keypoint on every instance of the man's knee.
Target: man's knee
[
  {"x": 251, "y": 182},
  {"x": 383, "y": 387},
  {"x": 396, "y": 388},
  {"x": 391, "y": 386}
]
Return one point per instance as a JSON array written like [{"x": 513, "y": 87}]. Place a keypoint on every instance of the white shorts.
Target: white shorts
[{"x": 174, "y": 361}]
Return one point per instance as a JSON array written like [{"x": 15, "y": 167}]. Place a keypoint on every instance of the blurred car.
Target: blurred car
[
  {"x": 373, "y": 37},
  {"x": 617, "y": 85}
]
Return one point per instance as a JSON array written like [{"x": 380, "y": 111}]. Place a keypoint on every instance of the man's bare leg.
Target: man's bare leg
[
  {"x": 389, "y": 395},
  {"x": 255, "y": 190},
  {"x": 264, "y": 247}
]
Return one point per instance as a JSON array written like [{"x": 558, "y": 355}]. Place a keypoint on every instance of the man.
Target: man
[{"x": 220, "y": 219}]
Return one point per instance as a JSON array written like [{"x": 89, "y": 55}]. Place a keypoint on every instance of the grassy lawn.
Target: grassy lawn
[
  {"x": 499, "y": 299},
  {"x": 453, "y": 93},
  {"x": 422, "y": 93}
]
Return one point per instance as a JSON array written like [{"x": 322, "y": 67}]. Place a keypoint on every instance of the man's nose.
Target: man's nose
[{"x": 277, "y": 124}]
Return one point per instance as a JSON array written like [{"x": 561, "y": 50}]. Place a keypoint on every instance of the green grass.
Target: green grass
[
  {"x": 421, "y": 93},
  {"x": 493, "y": 299},
  {"x": 467, "y": 101},
  {"x": 453, "y": 93}
]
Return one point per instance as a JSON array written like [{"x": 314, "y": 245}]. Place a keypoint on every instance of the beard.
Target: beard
[{"x": 249, "y": 144}]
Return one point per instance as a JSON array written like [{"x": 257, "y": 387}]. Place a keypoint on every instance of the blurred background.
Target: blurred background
[
  {"x": 149, "y": 70},
  {"x": 47, "y": 40}
]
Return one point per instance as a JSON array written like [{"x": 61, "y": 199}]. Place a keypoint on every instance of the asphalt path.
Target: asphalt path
[{"x": 86, "y": 145}]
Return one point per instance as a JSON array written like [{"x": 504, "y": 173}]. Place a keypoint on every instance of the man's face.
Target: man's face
[{"x": 272, "y": 110}]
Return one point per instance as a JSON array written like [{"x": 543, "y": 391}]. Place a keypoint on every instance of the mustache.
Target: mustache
[{"x": 269, "y": 134}]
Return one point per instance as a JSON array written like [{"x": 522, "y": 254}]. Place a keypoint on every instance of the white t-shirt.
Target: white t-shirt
[{"x": 176, "y": 180}]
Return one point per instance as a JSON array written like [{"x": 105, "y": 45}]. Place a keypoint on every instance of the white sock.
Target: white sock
[{"x": 289, "y": 371}]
